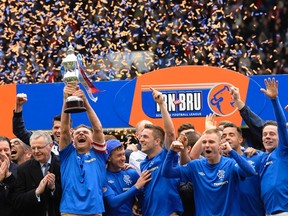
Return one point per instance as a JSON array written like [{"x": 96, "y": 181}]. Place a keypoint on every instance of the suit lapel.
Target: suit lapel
[{"x": 36, "y": 172}]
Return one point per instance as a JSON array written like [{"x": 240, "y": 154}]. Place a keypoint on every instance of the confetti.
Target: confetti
[{"x": 35, "y": 34}]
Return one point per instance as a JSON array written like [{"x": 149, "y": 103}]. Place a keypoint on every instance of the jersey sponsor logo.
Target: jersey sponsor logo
[
  {"x": 127, "y": 179},
  {"x": 153, "y": 169},
  {"x": 220, "y": 183},
  {"x": 110, "y": 181},
  {"x": 91, "y": 160},
  {"x": 268, "y": 163},
  {"x": 220, "y": 100}
]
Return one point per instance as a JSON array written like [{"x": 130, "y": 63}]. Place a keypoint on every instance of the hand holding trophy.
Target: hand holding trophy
[{"x": 73, "y": 73}]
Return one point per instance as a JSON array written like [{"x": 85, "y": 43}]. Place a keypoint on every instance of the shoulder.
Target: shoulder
[
  {"x": 27, "y": 165},
  {"x": 132, "y": 171}
]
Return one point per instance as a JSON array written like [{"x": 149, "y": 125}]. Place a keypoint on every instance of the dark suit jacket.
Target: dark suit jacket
[
  {"x": 6, "y": 189},
  {"x": 24, "y": 199}
]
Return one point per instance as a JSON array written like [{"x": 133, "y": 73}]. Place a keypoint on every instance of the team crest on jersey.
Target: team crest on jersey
[
  {"x": 221, "y": 174},
  {"x": 127, "y": 179}
]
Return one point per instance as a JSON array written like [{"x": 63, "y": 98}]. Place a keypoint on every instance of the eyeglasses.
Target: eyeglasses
[{"x": 39, "y": 147}]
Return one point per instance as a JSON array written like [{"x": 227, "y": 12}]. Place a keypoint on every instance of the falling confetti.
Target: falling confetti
[{"x": 109, "y": 34}]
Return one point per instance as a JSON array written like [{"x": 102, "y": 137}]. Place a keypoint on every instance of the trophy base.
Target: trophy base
[{"x": 74, "y": 106}]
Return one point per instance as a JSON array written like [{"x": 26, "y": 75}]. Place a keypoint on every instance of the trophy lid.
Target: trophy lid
[
  {"x": 70, "y": 50},
  {"x": 71, "y": 57}
]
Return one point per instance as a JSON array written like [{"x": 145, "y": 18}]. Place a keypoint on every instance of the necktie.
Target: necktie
[{"x": 45, "y": 168}]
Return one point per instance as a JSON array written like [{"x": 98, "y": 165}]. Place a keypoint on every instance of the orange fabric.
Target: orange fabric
[{"x": 7, "y": 101}]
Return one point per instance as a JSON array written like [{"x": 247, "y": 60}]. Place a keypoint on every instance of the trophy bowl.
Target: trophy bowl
[{"x": 74, "y": 104}]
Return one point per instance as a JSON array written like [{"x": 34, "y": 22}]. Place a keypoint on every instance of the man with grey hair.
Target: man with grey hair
[
  {"x": 20, "y": 152},
  {"x": 38, "y": 187}
]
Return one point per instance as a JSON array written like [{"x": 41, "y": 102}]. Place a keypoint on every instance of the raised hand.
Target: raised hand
[
  {"x": 157, "y": 96},
  {"x": 271, "y": 88},
  {"x": 177, "y": 146},
  {"x": 3, "y": 167},
  {"x": 210, "y": 122},
  {"x": 21, "y": 98},
  {"x": 226, "y": 148},
  {"x": 234, "y": 91},
  {"x": 69, "y": 89}
]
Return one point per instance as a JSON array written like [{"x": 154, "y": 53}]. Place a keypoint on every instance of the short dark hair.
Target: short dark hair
[
  {"x": 233, "y": 126},
  {"x": 158, "y": 132},
  {"x": 270, "y": 122},
  {"x": 4, "y": 138},
  {"x": 185, "y": 126},
  {"x": 192, "y": 137},
  {"x": 84, "y": 126},
  {"x": 58, "y": 118}
]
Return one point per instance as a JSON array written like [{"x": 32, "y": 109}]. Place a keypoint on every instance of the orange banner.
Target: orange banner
[{"x": 8, "y": 100}]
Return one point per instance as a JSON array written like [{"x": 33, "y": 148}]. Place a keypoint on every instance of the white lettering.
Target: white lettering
[{"x": 220, "y": 183}]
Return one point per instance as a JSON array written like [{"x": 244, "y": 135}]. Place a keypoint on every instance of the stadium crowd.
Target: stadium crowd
[{"x": 249, "y": 37}]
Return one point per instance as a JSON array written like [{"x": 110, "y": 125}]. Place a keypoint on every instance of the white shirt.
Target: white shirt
[{"x": 136, "y": 158}]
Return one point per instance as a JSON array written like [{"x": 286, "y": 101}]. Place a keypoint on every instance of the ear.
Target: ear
[
  {"x": 158, "y": 141},
  {"x": 241, "y": 139}
]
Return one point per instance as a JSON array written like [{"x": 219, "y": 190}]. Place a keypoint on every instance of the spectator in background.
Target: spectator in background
[
  {"x": 23, "y": 134},
  {"x": 20, "y": 152},
  {"x": 8, "y": 175},
  {"x": 133, "y": 152},
  {"x": 186, "y": 188},
  {"x": 38, "y": 184},
  {"x": 185, "y": 127},
  {"x": 243, "y": 36}
]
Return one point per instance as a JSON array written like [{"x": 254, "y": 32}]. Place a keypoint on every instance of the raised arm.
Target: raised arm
[
  {"x": 65, "y": 136},
  {"x": 272, "y": 92},
  {"x": 98, "y": 135},
  {"x": 184, "y": 155},
  {"x": 166, "y": 118},
  {"x": 170, "y": 169},
  {"x": 244, "y": 168},
  {"x": 18, "y": 123},
  {"x": 253, "y": 121}
]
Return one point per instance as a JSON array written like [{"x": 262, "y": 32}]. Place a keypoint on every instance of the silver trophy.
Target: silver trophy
[{"x": 74, "y": 104}]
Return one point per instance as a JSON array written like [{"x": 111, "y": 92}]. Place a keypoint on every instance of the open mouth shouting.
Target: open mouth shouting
[{"x": 13, "y": 153}]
